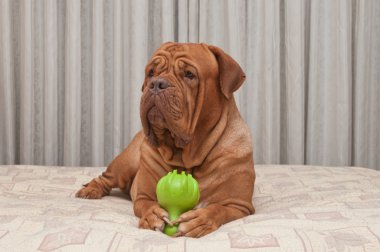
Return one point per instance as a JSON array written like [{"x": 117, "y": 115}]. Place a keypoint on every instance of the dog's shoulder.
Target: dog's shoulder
[{"x": 235, "y": 142}]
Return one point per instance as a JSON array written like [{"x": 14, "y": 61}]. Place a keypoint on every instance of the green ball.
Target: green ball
[
  {"x": 170, "y": 230},
  {"x": 177, "y": 193}
]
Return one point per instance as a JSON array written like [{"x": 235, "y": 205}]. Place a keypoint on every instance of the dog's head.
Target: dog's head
[{"x": 186, "y": 86}]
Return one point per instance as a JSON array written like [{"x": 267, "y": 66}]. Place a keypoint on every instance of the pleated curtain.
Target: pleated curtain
[{"x": 71, "y": 74}]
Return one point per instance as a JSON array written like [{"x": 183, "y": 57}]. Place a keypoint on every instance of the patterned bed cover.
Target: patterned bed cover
[{"x": 298, "y": 208}]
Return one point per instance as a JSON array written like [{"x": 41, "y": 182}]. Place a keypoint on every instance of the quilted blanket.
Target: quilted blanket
[{"x": 298, "y": 208}]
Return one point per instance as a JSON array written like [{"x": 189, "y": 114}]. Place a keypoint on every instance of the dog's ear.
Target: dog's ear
[{"x": 231, "y": 76}]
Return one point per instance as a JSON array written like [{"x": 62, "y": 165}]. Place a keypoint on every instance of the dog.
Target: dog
[{"x": 190, "y": 123}]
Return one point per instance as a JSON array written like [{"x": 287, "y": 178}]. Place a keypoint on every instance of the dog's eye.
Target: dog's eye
[
  {"x": 150, "y": 73},
  {"x": 189, "y": 75}
]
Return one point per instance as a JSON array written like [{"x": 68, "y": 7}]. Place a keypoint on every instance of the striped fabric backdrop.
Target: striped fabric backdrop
[{"x": 71, "y": 74}]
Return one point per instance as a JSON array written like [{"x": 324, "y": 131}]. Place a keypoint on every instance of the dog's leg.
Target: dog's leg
[{"x": 119, "y": 174}]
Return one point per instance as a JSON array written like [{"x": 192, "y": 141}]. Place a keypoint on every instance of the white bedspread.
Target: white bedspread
[{"x": 298, "y": 208}]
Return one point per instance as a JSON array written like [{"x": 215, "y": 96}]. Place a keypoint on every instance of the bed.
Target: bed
[{"x": 298, "y": 208}]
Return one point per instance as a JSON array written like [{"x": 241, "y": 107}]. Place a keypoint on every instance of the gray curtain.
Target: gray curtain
[{"x": 71, "y": 72}]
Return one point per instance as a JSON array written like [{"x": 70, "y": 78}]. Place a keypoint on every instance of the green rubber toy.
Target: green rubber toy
[{"x": 177, "y": 193}]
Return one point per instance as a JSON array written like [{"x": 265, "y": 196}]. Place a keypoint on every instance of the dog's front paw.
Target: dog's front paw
[
  {"x": 90, "y": 191},
  {"x": 154, "y": 218},
  {"x": 196, "y": 223}
]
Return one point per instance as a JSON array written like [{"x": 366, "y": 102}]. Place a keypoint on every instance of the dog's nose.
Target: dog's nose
[{"x": 158, "y": 85}]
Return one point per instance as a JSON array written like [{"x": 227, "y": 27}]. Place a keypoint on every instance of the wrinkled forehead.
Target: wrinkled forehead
[{"x": 197, "y": 54}]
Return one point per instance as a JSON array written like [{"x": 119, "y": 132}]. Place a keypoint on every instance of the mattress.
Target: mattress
[{"x": 298, "y": 208}]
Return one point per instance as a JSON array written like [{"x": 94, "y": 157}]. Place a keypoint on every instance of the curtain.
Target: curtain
[{"x": 71, "y": 74}]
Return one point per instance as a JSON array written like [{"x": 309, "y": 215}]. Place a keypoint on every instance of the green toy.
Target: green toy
[{"x": 177, "y": 193}]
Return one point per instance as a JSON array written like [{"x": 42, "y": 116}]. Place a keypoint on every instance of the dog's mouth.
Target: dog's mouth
[
  {"x": 154, "y": 124},
  {"x": 158, "y": 129},
  {"x": 155, "y": 117}
]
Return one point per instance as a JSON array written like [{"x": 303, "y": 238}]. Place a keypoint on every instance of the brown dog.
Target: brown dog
[{"x": 190, "y": 122}]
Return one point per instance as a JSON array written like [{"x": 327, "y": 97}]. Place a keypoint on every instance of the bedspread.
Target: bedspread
[{"x": 298, "y": 208}]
